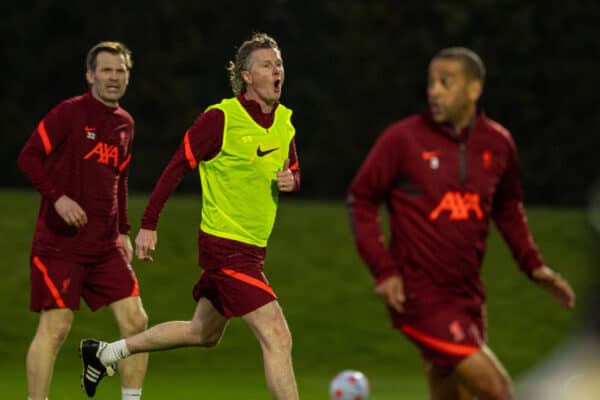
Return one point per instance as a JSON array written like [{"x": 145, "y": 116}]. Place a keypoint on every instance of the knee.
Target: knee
[
  {"x": 59, "y": 332},
  {"x": 501, "y": 390},
  {"x": 56, "y": 332},
  {"x": 209, "y": 340},
  {"x": 203, "y": 337},
  {"x": 136, "y": 322}
]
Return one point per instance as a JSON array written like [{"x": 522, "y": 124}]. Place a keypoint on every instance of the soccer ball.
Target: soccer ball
[{"x": 349, "y": 385}]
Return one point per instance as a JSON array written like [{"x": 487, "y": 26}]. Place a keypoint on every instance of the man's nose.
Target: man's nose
[{"x": 433, "y": 89}]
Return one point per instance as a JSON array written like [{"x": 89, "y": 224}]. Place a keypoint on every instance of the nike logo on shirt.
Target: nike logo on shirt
[{"x": 262, "y": 153}]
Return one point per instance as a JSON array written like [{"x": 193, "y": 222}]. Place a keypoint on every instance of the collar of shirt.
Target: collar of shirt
[
  {"x": 98, "y": 106},
  {"x": 447, "y": 130},
  {"x": 253, "y": 108}
]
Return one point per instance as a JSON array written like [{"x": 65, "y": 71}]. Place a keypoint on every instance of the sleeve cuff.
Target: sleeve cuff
[
  {"x": 125, "y": 230},
  {"x": 529, "y": 269},
  {"x": 384, "y": 274},
  {"x": 151, "y": 226},
  {"x": 54, "y": 195}
]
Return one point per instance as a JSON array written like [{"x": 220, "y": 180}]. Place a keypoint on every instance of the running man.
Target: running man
[
  {"x": 245, "y": 152},
  {"x": 443, "y": 175}
]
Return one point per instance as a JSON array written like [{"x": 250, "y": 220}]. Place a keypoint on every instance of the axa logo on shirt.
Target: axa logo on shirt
[
  {"x": 460, "y": 206},
  {"x": 108, "y": 154}
]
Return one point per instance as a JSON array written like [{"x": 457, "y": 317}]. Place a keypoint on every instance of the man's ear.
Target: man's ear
[
  {"x": 475, "y": 89},
  {"x": 89, "y": 76},
  {"x": 247, "y": 77}
]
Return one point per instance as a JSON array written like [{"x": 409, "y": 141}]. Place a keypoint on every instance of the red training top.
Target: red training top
[
  {"x": 440, "y": 192},
  {"x": 81, "y": 149}
]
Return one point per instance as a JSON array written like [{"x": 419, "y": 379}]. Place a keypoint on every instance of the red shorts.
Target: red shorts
[
  {"x": 232, "y": 279},
  {"x": 60, "y": 283},
  {"x": 446, "y": 322},
  {"x": 446, "y": 327},
  {"x": 446, "y": 335}
]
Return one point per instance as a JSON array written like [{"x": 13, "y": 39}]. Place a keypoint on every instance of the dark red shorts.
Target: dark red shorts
[
  {"x": 445, "y": 333},
  {"x": 60, "y": 283},
  {"x": 232, "y": 279}
]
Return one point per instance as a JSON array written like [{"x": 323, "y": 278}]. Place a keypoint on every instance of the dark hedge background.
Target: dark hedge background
[{"x": 352, "y": 67}]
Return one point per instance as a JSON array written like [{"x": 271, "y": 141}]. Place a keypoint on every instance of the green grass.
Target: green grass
[{"x": 325, "y": 291}]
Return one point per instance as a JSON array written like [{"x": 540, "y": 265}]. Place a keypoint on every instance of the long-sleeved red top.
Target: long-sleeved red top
[
  {"x": 201, "y": 142},
  {"x": 440, "y": 193},
  {"x": 81, "y": 149}
]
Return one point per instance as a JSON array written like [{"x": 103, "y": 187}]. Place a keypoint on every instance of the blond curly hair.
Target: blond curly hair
[{"x": 242, "y": 59}]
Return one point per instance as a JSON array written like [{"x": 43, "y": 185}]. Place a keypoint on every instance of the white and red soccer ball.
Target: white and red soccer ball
[{"x": 349, "y": 385}]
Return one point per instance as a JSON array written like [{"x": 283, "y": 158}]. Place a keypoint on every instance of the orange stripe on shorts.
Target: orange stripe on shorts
[
  {"x": 249, "y": 280},
  {"x": 136, "y": 287},
  {"x": 55, "y": 293},
  {"x": 438, "y": 344},
  {"x": 44, "y": 137}
]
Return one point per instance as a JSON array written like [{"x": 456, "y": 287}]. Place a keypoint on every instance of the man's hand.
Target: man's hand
[
  {"x": 391, "y": 291},
  {"x": 126, "y": 246},
  {"x": 70, "y": 211},
  {"x": 145, "y": 243},
  {"x": 285, "y": 178},
  {"x": 556, "y": 285}
]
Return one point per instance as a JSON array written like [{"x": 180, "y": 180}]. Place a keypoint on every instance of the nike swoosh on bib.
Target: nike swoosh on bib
[{"x": 262, "y": 153}]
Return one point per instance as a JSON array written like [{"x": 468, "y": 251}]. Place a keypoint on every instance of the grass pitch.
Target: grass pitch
[{"x": 325, "y": 291}]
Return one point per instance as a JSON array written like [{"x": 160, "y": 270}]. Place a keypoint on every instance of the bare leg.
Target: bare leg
[
  {"x": 484, "y": 376},
  {"x": 53, "y": 328},
  {"x": 131, "y": 319},
  {"x": 446, "y": 387},
  {"x": 271, "y": 330},
  {"x": 205, "y": 329}
]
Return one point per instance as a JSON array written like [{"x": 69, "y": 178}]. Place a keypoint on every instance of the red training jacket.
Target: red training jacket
[
  {"x": 82, "y": 149},
  {"x": 440, "y": 193}
]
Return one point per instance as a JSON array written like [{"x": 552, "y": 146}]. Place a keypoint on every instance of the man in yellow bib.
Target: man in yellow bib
[{"x": 245, "y": 152}]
